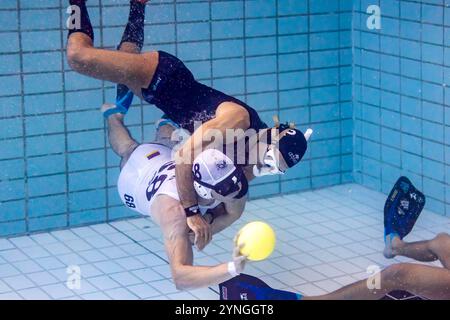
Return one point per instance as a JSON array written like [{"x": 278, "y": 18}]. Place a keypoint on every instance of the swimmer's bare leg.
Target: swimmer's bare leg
[
  {"x": 132, "y": 41},
  {"x": 429, "y": 250},
  {"x": 425, "y": 281},
  {"x": 119, "y": 137},
  {"x": 132, "y": 69}
]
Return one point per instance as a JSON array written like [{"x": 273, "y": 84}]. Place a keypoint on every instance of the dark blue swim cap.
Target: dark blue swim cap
[{"x": 292, "y": 144}]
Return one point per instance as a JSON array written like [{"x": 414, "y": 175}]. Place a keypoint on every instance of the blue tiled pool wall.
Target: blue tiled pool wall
[
  {"x": 402, "y": 97},
  {"x": 281, "y": 56}
]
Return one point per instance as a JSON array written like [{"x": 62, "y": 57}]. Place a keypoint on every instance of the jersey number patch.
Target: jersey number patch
[
  {"x": 159, "y": 179},
  {"x": 129, "y": 201}
]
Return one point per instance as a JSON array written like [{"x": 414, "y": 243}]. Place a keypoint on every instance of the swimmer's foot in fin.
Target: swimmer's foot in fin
[
  {"x": 401, "y": 211},
  {"x": 109, "y": 110},
  {"x": 392, "y": 241},
  {"x": 124, "y": 98}
]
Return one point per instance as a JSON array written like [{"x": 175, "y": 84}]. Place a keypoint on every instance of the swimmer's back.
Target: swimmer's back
[{"x": 148, "y": 172}]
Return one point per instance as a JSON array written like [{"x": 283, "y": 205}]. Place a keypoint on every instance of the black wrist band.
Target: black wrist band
[{"x": 192, "y": 211}]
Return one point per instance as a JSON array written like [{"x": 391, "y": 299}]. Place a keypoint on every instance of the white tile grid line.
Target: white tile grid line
[
  {"x": 183, "y": 295},
  {"x": 272, "y": 282},
  {"x": 309, "y": 289},
  {"x": 289, "y": 278},
  {"x": 158, "y": 298},
  {"x": 13, "y": 255},
  {"x": 122, "y": 225},
  {"x": 65, "y": 235},
  {"x": 264, "y": 203},
  {"x": 92, "y": 256},
  {"x": 95, "y": 296},
  {"x": 103, "y": 228},
  {"x": 304, "y": 245},
  {"x": 342, "y": 251},
  {"x": 35, "y": 252},
  {"x": 33, "y": 294},
  {"x": 337, "y": 239},
  {"x": 268, "y": 267},
  {"x": 144, "y": 291},
  {"x": 298, "y": 221},
  {"x": 204, "y": 294},
  {"x": 85, "y": 232},
  {"x": 279, "y": 223},
  {"x": 298, "y": 209},
  {"x": 43, "y": 238},
  {"x": 6, "y": 244},
  {"x": 121, "y": 294},
  {"x": 313, "y": 243},
  {"x": 283, "y": 235},
  {"x": 62, "y": 276},
  {"x": 316, "y": 217},
  {"x": 324, "y": 256},
  {"x": 23, "y": 242},
  {"x": 142, "y": 222},
  {"x": 28, "y": 266},
  {"x": 328, "y": 285},
  {"x": 318, "y": 229},
  {"x": 10, "y": 296}
]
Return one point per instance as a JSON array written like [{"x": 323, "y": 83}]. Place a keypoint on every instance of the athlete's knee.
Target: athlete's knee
[
  {"x": 440, "y": 242},
  {"x": 125, "y": 152},
  {"x": 442, "y": 237},
  {"x": 395, "y": 275},
  {"x": 77, "y": 56}
]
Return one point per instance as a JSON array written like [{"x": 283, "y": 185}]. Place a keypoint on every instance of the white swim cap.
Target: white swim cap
[{"x": 213, "y": 170}]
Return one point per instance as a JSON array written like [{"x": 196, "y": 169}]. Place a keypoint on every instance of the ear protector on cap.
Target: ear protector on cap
[{"x": 291, "y": 143}]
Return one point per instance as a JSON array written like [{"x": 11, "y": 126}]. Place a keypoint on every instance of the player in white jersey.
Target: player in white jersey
[
  {"x": 148, "y": 172},
  {"x": 147, "y": 185}
]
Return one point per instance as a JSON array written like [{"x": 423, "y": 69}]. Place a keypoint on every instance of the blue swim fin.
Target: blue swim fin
[
  {"x": 124, "y": 99},
  {"x": 402, "y": 208}
]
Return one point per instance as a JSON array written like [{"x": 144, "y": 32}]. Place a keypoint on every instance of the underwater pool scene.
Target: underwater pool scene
[{"x": 351, "y": 186}]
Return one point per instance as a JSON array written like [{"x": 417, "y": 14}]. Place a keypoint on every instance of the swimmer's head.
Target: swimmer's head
[
  {"x": 287, "y": 147},
  {"x": 215, "y": 176}
]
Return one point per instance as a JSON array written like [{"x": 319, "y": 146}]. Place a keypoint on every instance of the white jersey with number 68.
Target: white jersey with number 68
[{"x": 149, "y": 171}]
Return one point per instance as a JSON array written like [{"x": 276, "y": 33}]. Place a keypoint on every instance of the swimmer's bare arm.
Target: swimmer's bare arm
[
  {"x": 169, "y": 214},
  {"x": 228, "y": 116},
  {"x": 185, "y": 275}
]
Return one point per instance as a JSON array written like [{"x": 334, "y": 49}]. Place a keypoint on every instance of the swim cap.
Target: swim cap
[
  {"x": 213, "y": 170},
  {"x": 292, "y": 144}
]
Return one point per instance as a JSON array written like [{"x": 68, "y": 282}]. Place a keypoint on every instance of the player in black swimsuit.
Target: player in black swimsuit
[{"x": 163, "y": 80}]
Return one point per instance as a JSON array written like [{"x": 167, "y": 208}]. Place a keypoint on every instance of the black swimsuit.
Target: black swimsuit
[{"x": 183, "y": 99}]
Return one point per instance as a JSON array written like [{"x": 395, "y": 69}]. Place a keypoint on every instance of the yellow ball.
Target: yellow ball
[{"x": 258, "y": 239}]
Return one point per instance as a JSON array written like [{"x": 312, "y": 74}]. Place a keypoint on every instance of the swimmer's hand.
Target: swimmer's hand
[
  {"x": 202, "y": 230},
  {"x": 208, "y": 218},
  {"x": 238, "y": 258}
]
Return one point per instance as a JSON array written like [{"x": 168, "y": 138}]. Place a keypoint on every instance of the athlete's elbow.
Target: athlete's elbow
[
  {"x": 181, "y": 280},
  {"x": 181, "y": 284}
]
